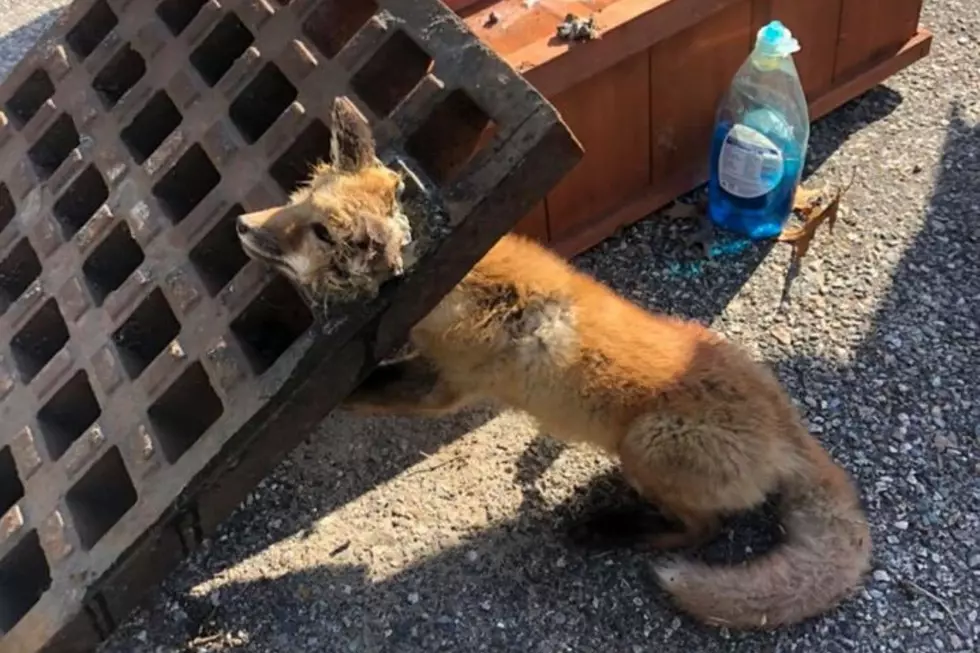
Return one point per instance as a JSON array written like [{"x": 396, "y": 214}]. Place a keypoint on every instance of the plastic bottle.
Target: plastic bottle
[{"x": 760, "y": 139}]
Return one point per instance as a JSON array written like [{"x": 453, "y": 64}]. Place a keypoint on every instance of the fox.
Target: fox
[{"x": 699, "y": 428}]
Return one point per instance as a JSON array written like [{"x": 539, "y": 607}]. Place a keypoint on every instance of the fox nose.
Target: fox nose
[{"x": 240, "y": 225}]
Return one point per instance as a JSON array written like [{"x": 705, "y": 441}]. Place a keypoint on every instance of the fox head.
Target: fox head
[{"x": 342, "y": 233}]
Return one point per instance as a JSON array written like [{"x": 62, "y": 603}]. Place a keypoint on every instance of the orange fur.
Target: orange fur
[{"x": 700, "y": 429}]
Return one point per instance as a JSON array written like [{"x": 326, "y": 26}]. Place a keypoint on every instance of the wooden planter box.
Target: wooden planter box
[{"x": 642, "y": 98}]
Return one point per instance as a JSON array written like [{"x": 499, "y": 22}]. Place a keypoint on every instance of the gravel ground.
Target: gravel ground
[{"x": 449, "y": 535}]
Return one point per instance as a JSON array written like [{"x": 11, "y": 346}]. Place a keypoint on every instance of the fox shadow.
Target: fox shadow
[{"x": 518, "y": 586}]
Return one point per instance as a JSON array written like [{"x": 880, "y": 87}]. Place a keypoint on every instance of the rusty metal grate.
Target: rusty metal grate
[{"x": 149, "y": 373}]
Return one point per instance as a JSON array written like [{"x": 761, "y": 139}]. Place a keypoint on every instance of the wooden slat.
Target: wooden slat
[
  {"x": 610, "y": 116},
  {"x": 872, "y": 31},
  {"x": 816, "y": 24},
  {"x": 689, "y": 74},
  {"x": 534, "y": 224}
]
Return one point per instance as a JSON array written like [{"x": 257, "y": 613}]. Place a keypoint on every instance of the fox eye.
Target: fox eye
[{"x": 321, "y": 233}]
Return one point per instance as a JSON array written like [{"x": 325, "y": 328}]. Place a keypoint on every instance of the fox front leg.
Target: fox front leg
[{"x": 410, "y": 386}]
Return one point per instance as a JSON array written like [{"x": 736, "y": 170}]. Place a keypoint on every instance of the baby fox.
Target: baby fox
[{"x": 699, "y": 428}]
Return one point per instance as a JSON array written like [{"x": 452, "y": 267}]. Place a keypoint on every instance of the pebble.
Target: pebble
[{"x": 882, "y": 576}]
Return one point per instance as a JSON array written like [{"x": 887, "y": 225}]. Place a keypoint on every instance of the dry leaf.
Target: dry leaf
[
  {"x": 815, "y": 210},
  {"x": 807, "y": 199}
]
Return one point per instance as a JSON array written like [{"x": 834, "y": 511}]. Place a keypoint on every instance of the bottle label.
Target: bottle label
[{"x": 749, "y": 165}]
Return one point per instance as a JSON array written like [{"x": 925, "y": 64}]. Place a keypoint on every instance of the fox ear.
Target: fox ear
[{"x": 351, "y": 141}]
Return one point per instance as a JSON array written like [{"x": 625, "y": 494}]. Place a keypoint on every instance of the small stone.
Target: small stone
[
  {"x": 782, "y": 334},
  {"x": 975, "y": 561},
  {"x": 902, "y": 525},
  {"x": 413, "y": 598},
  {"x": 955, "y": 641},
  {"x": 472, "y": 556},
  {"x": 882, "y": 576}
]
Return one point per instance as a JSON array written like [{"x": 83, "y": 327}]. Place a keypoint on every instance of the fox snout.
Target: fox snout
[{"x": 257, "y": 241}]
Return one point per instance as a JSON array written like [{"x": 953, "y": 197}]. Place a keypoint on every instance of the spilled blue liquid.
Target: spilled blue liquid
[{"x": 758, "y": 217}]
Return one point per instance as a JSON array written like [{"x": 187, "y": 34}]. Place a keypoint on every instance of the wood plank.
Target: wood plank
[
  {"x": 610, "y": 116},
  {"x": 815, "y": 23},
  {"x": 627, "y": 27},
  {"x": 534, "y": 224},
  {"x": 872, "y": 31},
  {"x": 689, "y": 74}
]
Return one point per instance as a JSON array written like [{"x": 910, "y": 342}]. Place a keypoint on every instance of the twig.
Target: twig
[
  {"x": 340, "y": 549},
  {"x": 921, "y": 591},
  {"x": 433, "y": 468},
  {"x": 204, "y": 641}
]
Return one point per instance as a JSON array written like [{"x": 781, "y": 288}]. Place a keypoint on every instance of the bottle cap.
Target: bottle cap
[{"x": 775, "y": 40}]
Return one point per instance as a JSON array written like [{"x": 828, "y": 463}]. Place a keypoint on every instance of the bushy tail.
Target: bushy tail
[{"x": 823, "y": 558}]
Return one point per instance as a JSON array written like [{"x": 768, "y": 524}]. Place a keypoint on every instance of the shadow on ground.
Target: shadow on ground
[{"x": 559, "y": 597}]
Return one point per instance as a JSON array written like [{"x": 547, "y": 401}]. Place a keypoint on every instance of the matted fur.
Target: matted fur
[{"x": 700, "y": 429}]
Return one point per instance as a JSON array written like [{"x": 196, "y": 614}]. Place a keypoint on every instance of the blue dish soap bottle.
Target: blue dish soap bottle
[{"x": 760, "y": 139}]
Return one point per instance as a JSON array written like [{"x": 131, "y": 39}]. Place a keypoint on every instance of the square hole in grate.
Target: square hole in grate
[
  {"x": 39, "y": 340},
  {"x": 451, "y": 135},
  {"x": 101, "y": 498},
  {"x": 94, "y": 26},
  {"x": 293, "y": 168},
  {"x": 217, "y": 53},
  {"x": 262, "y": 101},
  {"x": 219, "y": 256},
  {"x": 29, "y": 97},
  {"x": 184, "y": 412},
  {"x": 17, "y": 272},
  {"x": 146, "y": 333},
  {"x": 178, "y": 14},
  {"x": 112, "y": 262},
  {"x": 24, "y": 578},
  {"x": 271, "y": 324},
  {"x": 394, "y": 70},
  {"x": 68, "y": 414},
  {"x": 119, "y": 75},
  {"x": 54, "y": 146},
  {"x": 335, "y": 22},
  {"x": 187, "y": 183},
  {"x": 151, "y": 126},
  {"x": 8, "y": 210},
  {"x": 11, "y": 489},
  {"x": 80, "y": 201}
]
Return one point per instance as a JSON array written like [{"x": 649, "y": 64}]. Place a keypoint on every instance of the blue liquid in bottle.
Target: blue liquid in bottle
[{"x": 760, "y": 140}]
